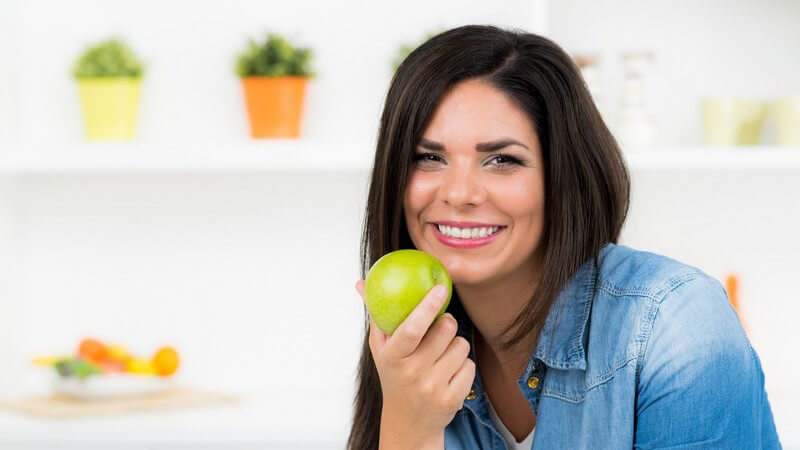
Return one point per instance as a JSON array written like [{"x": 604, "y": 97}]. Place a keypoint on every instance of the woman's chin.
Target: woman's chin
[{"x": 468, "y": 279}]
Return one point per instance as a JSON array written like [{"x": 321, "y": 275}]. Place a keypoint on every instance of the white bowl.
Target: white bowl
[{"x": 110, "y": 385}]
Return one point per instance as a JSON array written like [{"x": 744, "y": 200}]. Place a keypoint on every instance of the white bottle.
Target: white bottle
[{"x": 636, "y": 123}]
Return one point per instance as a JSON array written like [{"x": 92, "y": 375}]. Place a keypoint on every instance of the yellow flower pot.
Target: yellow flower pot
[
  {"x": 109, "y": 106},
  {"x": 787, "y": 116},
  {"x": 731, "y": 122}
]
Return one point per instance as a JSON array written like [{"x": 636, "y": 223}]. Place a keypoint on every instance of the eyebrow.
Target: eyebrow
[{"x": 490, "y": 146}]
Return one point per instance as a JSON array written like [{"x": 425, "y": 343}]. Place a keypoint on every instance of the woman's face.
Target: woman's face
[{"x": 461, "y": 180}]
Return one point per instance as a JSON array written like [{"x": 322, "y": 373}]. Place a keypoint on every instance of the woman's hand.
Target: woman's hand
[{"x": 424, "y": 372}]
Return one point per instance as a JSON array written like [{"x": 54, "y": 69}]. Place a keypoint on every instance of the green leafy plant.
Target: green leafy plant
[
  {"x": 275, "y": 57},
  {"x": 405, "y": 49},
  {"x": 110, "y": 58}
]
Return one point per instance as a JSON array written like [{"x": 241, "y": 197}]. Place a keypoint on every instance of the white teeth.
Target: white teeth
[{"x": 467, "y": 233}]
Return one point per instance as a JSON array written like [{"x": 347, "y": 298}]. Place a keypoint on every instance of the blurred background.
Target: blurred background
[{"x": 165, "y": 213}]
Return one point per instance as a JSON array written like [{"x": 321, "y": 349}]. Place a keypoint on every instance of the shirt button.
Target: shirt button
[
  {"x": 472, "y": 394},
  {"x": 533, "y": 382}
]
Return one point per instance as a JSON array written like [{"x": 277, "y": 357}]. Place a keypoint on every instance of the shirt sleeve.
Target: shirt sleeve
[{"x": 700, "y": 384}]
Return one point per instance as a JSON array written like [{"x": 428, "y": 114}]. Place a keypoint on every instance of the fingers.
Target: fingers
[
  {"x": 408, "y": 335},
  {"x": 461, "y": 383},
  {"x": 437, "y": 339},
  {"x": 453, "y": 357}
]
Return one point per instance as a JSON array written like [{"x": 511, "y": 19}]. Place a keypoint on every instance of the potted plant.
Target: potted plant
[
  {"x": 274, "y": 77},
  {"x": 109, "y": 76},
  {"x": 405, "y": 49}
]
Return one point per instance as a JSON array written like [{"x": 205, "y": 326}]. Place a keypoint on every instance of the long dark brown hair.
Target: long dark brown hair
[{"x": 586, "y": 182}]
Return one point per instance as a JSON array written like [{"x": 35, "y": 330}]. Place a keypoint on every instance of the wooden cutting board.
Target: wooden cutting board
[{"x": 60, "y": 406}]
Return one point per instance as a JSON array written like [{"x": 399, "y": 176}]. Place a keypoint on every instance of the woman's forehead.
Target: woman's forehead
[{"x": 476, "y": 111}]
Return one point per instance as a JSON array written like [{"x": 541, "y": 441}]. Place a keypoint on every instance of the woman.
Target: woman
[{"x": 493, "y": 158}]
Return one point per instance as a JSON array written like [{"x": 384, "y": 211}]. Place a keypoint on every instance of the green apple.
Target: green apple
[{"x": 398, "y": 282}]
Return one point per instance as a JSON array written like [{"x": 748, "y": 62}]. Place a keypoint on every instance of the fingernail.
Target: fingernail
[{"x": 440, "y": 291}]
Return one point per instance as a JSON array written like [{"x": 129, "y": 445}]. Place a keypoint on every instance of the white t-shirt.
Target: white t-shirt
[{"x": 511, "y": 442}]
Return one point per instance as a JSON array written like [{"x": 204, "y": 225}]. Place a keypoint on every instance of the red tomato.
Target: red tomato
[{"x": 92, "y": 350}]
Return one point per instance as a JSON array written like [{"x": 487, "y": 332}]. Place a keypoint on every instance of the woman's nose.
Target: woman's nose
[{"x": 461, "y": 186}]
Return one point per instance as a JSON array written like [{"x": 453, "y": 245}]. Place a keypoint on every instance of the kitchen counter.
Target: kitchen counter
[{"x": 250, "y": 423}]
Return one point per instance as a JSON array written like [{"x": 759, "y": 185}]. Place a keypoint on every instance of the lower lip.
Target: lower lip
[{"x": 464, "y": 243}]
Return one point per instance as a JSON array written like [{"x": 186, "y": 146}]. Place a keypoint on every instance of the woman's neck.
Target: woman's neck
[{"x": 493, "y": 306}]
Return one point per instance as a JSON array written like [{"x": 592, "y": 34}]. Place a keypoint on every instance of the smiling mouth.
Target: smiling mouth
[{"x": 468, "y": 233}]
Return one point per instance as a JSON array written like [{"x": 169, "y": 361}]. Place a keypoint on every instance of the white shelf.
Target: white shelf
[
  {"x": 328, "y": 156},
  {"x": 707, "y": 158},
  {"x": 274, "y": 155}
]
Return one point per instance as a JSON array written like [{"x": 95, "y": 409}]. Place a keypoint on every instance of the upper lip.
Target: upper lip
[{"x": 457, "y": 224}]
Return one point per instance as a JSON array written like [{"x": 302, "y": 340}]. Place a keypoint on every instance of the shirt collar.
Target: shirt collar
[{"x": 561, "y": 342}]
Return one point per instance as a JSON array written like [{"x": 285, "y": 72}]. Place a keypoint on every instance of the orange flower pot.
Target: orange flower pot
[{"x": 274, "y": 105}]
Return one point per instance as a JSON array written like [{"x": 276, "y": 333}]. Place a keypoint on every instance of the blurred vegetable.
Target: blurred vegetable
[
  {"x": 140, "y": 366},
  {"x": 92, "y": 350},
  {"x": 95, "y": 357},
  {"x": 47, "y": 361},
  {"x": 166, "y": 361},
  {"x": 111, "y": 366},
  {"x": 117, "y": 353},
  {"x": 76, "y": 367}
]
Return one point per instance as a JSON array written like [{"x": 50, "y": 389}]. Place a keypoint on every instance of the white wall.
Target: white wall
[
  {"x": 737, "y": 48},
  {"x": 10, "y": 308},
  {"x": 9, "y": 82}
]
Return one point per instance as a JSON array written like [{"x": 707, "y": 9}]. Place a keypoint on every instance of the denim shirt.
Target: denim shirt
[{"x": 649, "y": 354}]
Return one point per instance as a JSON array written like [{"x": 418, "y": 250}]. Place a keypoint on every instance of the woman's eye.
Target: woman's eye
[
  {"x": 506, "y": 160},
  {"x": 426, "y": 157}
]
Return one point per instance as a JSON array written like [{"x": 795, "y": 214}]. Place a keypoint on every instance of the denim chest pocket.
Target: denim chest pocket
[
  {"x": 615, "y": 338},
  {"x": 572, "y": 385},
  {"x": 567, "y": 385}
]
